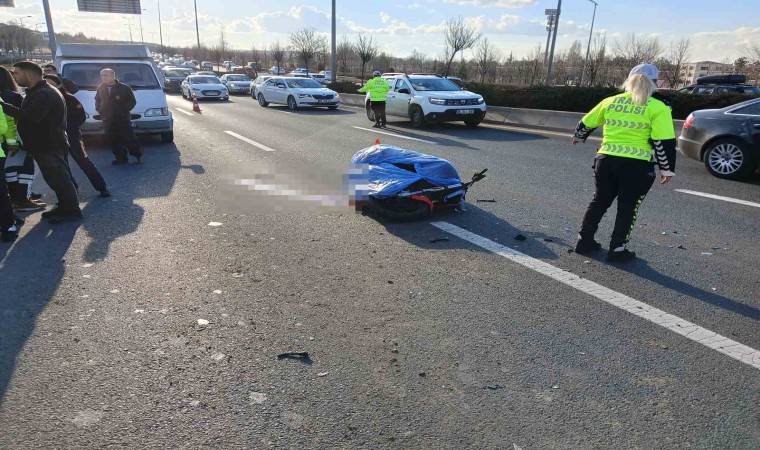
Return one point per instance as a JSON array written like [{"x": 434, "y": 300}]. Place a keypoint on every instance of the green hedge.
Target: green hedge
[{"x": 573, "y": 99}]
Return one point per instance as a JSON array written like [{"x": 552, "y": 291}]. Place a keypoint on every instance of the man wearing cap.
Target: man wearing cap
[
  {"x": 378, "y": 88},
  {"x": 638, "y": 134}
]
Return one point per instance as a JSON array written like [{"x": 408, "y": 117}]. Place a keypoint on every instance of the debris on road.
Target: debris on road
[
  {"x": 215, "y": 224},
  {"x": 493, "y": 387},
  {"x": 442, "y": 239},
  {"x": 203, "y": 322},
  {"x": 114, "y": 291},
  {"x": 217, "y": 292},
  {"x": 422, "y": 374},
  {"x": 481, "y": 200},
  {"x": 218, "y": 356},
  {"x": 520, "y": 237},
  {"x": 681, "y": 247},
  {"x": 706, "y": 254},
  {"x": 300, "y": 356},
  {"x": 87, "y": 265},
  {"x": 257, "y": 398},
  {"x": 323, "y": 374},
  {"x": 548, "y": 240},
  {"x": 555, "y": 387}
]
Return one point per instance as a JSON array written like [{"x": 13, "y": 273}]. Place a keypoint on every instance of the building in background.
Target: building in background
[{"x": 692, "y": 71}]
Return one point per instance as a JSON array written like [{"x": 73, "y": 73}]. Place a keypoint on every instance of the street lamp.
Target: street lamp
[
  {"x": 554, "y": 41},
  {"x": 588, "y": 49},
  {"x": 197, "y": 32},
  {"x": 160, "y": 30},
  {"x": 334, "y": 59}
]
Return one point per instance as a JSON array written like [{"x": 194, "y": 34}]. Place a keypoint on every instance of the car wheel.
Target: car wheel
[
  {"x": 472, "y": 123},
  {"x": 417, "y": 116},
  {"x": 370, "y": 113},
  {"x": 728, "y": 159},
  {"x": 292, "y": 105},
  {"x": 263, "y": 103},
  {"x": 167, "y": 137}
]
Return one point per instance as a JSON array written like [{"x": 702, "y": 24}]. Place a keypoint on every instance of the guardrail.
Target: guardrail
[{"x": 519, "y": 117}]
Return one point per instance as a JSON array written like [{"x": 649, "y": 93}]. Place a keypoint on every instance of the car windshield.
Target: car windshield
[
  {"x": 238, "y": 78},
  {"x": 433, "y": 84},
  {"x": 305, "y": 83},
  {"x": 176, "y": 73},
  {"x": 87, "y": 75},
  {"x": 751, "y": 90},
  {"x": 204, "y": 80}
]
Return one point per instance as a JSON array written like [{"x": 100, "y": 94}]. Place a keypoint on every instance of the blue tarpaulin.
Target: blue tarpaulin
[{"x": 385, "y": 179}]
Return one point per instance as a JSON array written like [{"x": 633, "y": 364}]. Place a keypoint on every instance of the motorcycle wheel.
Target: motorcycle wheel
[{"x": 400, "y": 209}]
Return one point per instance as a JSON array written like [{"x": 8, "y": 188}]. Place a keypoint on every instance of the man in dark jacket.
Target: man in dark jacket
[
  {"x": 41, "y": 123},
  {"x": 50, "y": 69},
  {"x": 114, "y": 101}
]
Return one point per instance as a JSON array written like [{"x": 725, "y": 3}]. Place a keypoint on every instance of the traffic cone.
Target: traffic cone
[
  {"x": 377, "y": 141},
  {"x": 196, "y": 106}
]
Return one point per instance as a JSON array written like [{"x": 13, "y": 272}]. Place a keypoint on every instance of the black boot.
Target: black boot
[
  {"x": 621, "y": 256},
  {"x": 584, "y": 246}
]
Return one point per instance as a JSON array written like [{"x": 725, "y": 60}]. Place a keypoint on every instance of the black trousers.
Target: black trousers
[
  {"x": 626, "y": 179},
  {"x": 378, "y": 108},
  {"x": 7, "y": 218},
  {"x": 55, "y": 171},
  {"x": 79, "y": 154},
  {"x": 121, "y": 137}
]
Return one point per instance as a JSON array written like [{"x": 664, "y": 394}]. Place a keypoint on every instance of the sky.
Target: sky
[{"x": 719, "y": 31}]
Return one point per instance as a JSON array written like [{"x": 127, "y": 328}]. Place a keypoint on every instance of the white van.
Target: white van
[{"x": 82, "y": 63}]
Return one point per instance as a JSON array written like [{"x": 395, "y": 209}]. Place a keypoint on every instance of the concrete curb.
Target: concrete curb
[{"x": 540, "y": 119}]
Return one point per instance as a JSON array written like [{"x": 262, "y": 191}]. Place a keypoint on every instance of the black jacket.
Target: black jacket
[
  {"x": 116, "y": 105},
  {"x": 75, "y": 114},
  {"x": 41, "y": 119},
  {"x": 70, "y": 85}
]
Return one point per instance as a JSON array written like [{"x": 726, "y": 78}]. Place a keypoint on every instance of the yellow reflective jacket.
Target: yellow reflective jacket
[
  {"x": 4, "y": 129},
  {"x": 377, "y": 88},
  {"x": 628, "y": 127}
]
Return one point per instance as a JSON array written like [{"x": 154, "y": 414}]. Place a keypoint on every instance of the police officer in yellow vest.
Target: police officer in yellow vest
[
  {"x": 8, "y": 230},
  {"x": 638, "y": 133},
  {"x": 378, "y": 88}
]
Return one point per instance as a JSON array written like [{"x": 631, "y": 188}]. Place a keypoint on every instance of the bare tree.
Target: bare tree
[
  {"x": 597, "y": 59},
  {"x": 486, "y": 57},
  {"x": 676, "y": 60},
  {"x": 637, "y": 50},
  {"x": 459, "y": 36},
  {"x": 277, "y": 52},
  {"x": 305, "y": 44},
  {"x": 367, "y": 49},
  {"x": 534, "y": 65},
  {"x": 345, "y": 51},
  {"x": 220, "y": 50}
]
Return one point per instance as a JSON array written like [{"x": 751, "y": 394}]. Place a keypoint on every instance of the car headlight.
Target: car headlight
[
  {"x": 437, "y": 101},
  {"x": 304, "y": 96},
  {"x": 481, "y": 100},
  {"x": 155, "y": 112}
]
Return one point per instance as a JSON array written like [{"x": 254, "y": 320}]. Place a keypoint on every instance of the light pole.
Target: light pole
[
  {"x": 129, "y": 22},
  {"x": 334, "y": 59},
  {"x": 554, "y": 42},
  {"x": 197, "y": 32},
  {"x": 142, "y": 36},
  {"x": 588, "y": 48},
  {"x": 51, "y": 31},
  {"x": 160, "y": 30}
]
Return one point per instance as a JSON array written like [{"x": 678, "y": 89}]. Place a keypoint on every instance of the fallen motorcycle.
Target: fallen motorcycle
[{"x": 405, "y": 185}]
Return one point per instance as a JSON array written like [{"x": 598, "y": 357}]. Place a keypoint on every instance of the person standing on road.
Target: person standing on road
[
  {"x": 114, "y": 101},
  {"x": 8, "y": 230},
  {"x": 638, "y": 132},
  {"x": 41, "y": 122},
  {"x": 19, "y": 165},
  {"x": 378, "y": 89},
  {"x": 75, "y": 118},
  {"x": 50, "y": 69}
]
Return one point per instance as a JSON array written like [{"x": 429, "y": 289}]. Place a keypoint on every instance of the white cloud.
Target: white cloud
[{"x": 492, "y": 3}]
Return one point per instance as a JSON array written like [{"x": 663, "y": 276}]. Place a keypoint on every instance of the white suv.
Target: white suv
[{"x": 430, "y": 99}]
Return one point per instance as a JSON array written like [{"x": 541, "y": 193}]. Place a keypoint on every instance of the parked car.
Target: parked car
[
  {"x": 204, "y": 86},
  {"x": 207, "y": 65},
  {"x": 207, "y": 72},
  {"x": 327, "y": 74},
  {"x": 727, "y": 140},
  {"x": 237, "y": 84},
  {"x": 430, "y": 99},
  {"x": 255, "y": 84},
  {"x": 174, "y": 76},
  {"x": 314, "y": 76},
  {"x": 721, "y": 84},
  {"x": 296, "y": 93},
  {"x": 277, "y": 70}
]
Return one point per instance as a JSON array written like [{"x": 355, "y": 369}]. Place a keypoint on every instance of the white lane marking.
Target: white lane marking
[
  {"x": 342, "y": 105},
  {"x": 375, "y": 130},
  {"x": 719, "y": 197},
  {"x": 250, "y": 141},
  {"x": 293, "y": 194},
  {"x": 184, "y": 112},
  {"x": 710, "y": 339}
]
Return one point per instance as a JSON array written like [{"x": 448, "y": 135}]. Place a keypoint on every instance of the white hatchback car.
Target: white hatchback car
[
  {"x": 204, "y": 86},
  {"x": 296, "y": 92}
]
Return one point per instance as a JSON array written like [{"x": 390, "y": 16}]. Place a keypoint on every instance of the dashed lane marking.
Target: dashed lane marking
[
  {"x": 719, "y": 197},
  {"x": 709, "y": 339},
  {"x": 250, "y": 141},
  {"x": 184, "y": 112},
  {"x": 375, "y": 130}
]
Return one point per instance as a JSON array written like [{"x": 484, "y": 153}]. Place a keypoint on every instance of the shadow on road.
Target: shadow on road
[
  {"x": 457, "y": 130},
  {"x": 32, "y": 269}
]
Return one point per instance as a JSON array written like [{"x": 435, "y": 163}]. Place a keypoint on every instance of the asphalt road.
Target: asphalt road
[{"x": 145, "y": 327}]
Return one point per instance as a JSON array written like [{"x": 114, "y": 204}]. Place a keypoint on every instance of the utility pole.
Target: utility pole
[
  {"x": 129, "y": 22},
  {"x": 588, "y": 48},
  {"x": 197, "y": 32},
  {"x": 549, "y": 28},
  {"x": 51, "y": 31},
  {"x": 334, "y": 59},
  {"x": 160, "y": 30},
  {"x": 554, "y": 42}
]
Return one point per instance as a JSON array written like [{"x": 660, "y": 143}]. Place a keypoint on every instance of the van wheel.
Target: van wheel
[
  {"x": 167, "y": 137},
  {"x": 292, "y": 105},
  {"x": 370, "y": 113},
  {"x": 472, "y": 123},
  {"x": 728, "y": 159},
  {"x": 417, "y": 116},
  {"x": 263, "y": 103}
]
